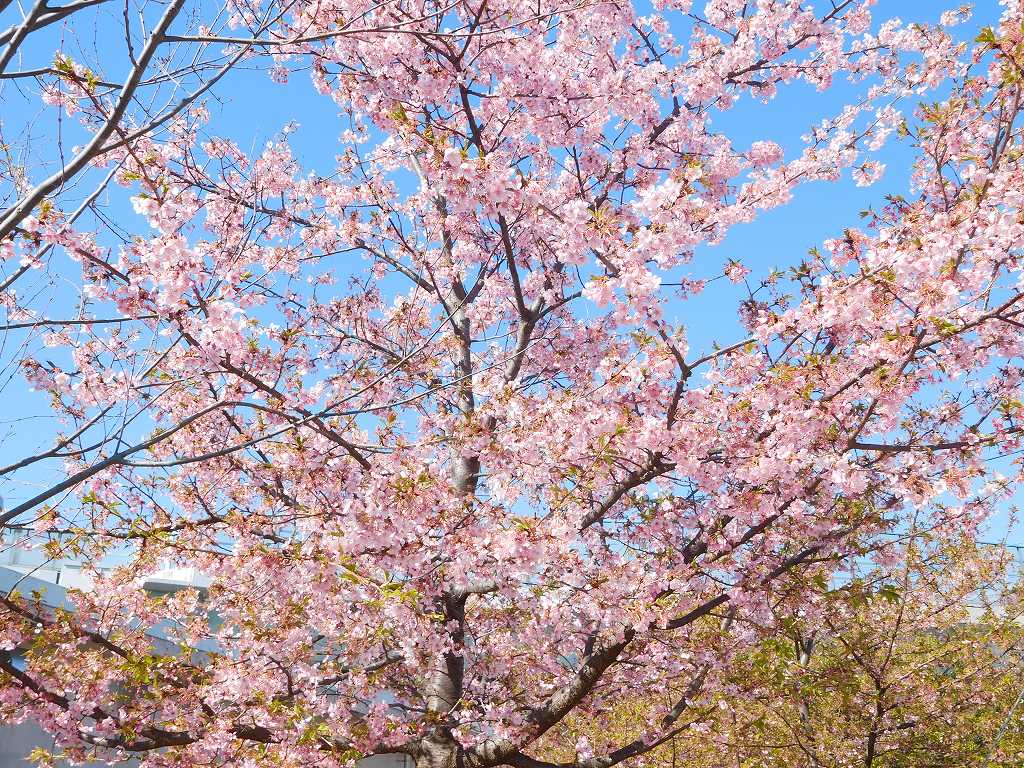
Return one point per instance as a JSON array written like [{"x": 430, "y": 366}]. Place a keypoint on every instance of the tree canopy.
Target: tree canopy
[{"x": 431, "y": 423}]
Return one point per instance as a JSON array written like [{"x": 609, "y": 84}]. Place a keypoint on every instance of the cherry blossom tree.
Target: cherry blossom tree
[{"x": 430, "y": 422}]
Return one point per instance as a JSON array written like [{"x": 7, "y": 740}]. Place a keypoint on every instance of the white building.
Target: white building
[{"x": 28, "y": 570}]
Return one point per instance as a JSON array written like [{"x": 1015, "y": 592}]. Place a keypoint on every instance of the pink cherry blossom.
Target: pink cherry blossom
[{"x": 435, "y": 420}]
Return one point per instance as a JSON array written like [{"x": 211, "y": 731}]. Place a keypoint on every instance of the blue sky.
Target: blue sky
[{"x": 251, "y": 110}]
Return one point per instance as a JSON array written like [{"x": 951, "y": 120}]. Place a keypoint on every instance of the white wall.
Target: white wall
[{"x": 17, "y": 742}]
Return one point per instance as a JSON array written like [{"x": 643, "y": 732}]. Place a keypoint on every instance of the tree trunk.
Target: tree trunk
[{"x": 439, "y": 752}]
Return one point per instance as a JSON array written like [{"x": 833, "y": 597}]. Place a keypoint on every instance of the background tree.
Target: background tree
[
  {"x": 915, "y": 666},
  {"x": 428, "y": 421}
]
